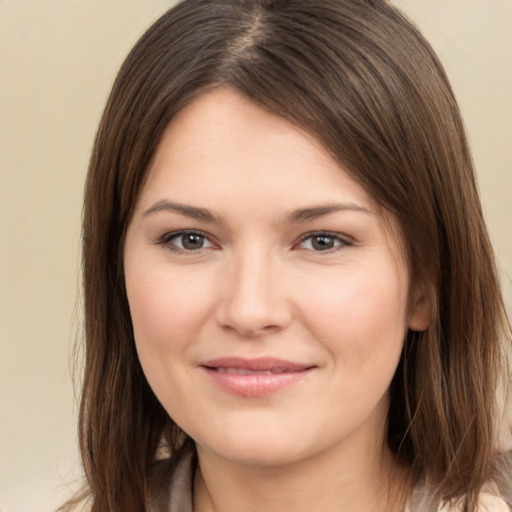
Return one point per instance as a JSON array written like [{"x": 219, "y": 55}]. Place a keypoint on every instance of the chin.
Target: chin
[
  {"x": 261, "y": 454},
  {"x": 265, "y": 446}
]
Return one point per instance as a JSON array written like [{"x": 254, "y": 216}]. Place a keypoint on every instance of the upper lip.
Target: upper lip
[{"x": 269, "y": 364}]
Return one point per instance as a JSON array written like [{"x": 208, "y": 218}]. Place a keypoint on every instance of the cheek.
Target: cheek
[
  {"x": 167, "y": 314},
  {"x": 361, "y": 315},
  {"x": 167, "y": 310}
]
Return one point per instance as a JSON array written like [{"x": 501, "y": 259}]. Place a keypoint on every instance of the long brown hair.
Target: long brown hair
[{"x": 360, "y": 77}]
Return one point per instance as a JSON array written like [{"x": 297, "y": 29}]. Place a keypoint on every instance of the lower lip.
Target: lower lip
[{"x": 256, "y": 385}]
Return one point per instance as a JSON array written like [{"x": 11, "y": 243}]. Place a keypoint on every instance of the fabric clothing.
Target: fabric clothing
[
  {"x": 487, "y": 503},
  {"x": 173, "y": 481}
]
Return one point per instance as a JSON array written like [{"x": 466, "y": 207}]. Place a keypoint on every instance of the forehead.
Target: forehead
[{"x": 221, "y": 139}]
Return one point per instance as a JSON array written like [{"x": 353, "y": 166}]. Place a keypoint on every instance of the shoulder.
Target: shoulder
[
  {"x": 492, "y": 503},
  {"x": 488, "y": 501}
]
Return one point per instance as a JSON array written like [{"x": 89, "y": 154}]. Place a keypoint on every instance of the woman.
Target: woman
[{"x": 291, "y": 301}]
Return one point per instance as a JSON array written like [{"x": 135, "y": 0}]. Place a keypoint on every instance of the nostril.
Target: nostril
[
  {"x": 269, "y": 328},
  {"x": 249, "y": 332}
]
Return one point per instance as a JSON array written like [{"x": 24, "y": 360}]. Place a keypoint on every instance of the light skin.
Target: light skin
[{"x": 249, "y": 242}]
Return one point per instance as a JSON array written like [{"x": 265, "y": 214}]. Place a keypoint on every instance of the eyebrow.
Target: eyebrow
[
  {"x": 309, "y": 214},
  {"x": 297, "y": 216},
  {"x": 193, "y": 212}
]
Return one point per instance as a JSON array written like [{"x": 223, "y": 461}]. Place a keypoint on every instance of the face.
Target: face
[{"x": 268, "y": 295}]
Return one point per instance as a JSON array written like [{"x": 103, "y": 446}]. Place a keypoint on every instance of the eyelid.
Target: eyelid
[
  {"x": 345, "y": 240},
  {"x": 165, "y": 240}
]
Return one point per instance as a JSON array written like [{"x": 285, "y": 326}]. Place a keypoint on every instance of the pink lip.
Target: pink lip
[{"x": 255, "y": 377}]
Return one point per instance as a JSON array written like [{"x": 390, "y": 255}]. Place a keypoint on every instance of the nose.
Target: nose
[{"x": 254, "y": 299}]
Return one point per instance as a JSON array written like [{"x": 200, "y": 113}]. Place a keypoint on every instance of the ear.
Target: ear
[{"x": 420, "y": 313}]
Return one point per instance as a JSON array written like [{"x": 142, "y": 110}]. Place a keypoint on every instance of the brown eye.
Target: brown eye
[
  {"x": 192, "y": 241},
  {"x": 186, "y": 241},
  {"x": 323, "y": 242}
]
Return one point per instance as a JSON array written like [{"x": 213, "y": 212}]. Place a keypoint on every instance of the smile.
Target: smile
[
  {"x": 255, "y": 377},
  {"x": 243, "y": 371}
]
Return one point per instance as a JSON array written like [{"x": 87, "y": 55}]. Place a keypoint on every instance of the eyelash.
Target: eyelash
[
  {"x": 166, "y": 241},
  {"x": 343, "y": 241}
]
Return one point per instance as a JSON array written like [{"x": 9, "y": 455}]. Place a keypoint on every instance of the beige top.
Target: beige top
[
  {"x": 172, "y": 489},
  {"x": 487, "y": 503}
]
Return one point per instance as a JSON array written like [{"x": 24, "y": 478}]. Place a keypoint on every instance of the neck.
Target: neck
[{"x": 342, "y": 479}]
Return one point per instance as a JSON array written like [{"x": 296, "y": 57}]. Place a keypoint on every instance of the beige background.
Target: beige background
[{"x": 57, "y": 62}]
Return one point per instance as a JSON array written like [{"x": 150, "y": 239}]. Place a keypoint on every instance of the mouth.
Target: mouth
[
  {"x": 255, "y": 377},
  {"x": 243, "y": 371}
]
